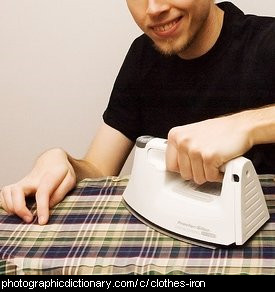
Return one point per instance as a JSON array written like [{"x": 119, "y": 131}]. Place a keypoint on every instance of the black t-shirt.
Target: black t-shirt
[{"x": 154, "y": 93}]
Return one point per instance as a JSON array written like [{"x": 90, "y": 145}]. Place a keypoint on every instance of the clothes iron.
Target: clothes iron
[{"x": 219, "y": 213}]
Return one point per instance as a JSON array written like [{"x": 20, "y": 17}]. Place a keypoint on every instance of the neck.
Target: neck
[{"x": 207, "y": 36}]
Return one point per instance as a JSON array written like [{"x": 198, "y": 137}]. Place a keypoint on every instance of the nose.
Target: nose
[{"x": 157, "y": 7}]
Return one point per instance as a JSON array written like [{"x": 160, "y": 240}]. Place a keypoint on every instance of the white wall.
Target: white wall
[{"x": 58, "y": 62}]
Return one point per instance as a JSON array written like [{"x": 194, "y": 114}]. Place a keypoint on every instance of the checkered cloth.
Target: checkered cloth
[{"x": 91, "y": 232}]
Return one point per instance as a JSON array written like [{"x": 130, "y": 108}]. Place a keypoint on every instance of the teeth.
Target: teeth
[{"x": 165, "y": 27}]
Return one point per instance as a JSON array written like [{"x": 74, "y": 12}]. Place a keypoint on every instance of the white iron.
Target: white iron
[{"x": 225, "y": 213}]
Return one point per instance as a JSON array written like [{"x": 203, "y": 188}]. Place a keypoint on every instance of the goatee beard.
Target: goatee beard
[{"x": 168, "y": 49}]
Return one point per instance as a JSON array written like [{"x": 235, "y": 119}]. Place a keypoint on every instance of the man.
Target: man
[{"x": 202, "y": 75}]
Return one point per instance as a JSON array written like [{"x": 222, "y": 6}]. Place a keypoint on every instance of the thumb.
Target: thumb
[{"x": 47, "y": 186}]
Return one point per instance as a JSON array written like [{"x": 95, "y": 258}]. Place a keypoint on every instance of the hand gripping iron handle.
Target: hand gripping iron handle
[{"x": 156, "y": 148}]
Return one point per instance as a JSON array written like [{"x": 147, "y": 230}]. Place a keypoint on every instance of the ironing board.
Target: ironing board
[{"x": 91, "y": 232}]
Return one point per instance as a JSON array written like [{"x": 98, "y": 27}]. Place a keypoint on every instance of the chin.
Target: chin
[{"x": 171, "y": 47}]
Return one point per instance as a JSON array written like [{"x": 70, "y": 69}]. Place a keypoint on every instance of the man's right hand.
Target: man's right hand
[
  {"x": 55, "y": 173},
  {"x": 49, "y": 181}
]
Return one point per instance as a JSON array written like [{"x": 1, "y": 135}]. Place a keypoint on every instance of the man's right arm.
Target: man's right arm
[{"x": 55, "y": 173}]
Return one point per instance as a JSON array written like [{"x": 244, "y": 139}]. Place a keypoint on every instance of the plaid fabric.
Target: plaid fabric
[{"x": 91, "y": 232}]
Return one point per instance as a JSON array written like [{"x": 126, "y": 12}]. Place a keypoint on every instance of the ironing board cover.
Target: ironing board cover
[{"x": 91, "y": 232}]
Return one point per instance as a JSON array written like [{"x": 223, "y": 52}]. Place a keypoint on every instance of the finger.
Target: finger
[
  {"x": 67, "y": 184},
  {"x": 213, "y": 174},
  {"x": 2, "y": 201},
  {"x": 185, "y": 166},
  {"x": 6, "y": 199},
  {"x": 46, "y": 188},
  {"x": 197, "y": 167},
  {"x": 212, "y": 170},
  {"x": 172, "y": 158},
  {"x": 19, "y": 204}
]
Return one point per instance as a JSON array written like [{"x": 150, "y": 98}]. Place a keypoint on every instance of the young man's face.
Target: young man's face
[{"x": 173, "y": 25}]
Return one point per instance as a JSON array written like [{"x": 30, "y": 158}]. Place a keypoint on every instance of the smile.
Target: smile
[{"x": 166, "y": 29}]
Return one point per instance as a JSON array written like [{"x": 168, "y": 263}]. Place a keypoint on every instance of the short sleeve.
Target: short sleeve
[{"x": 123, "y": 110}]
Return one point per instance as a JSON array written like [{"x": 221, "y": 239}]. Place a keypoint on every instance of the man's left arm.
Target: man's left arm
[{"x": 197, "y": 151}]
